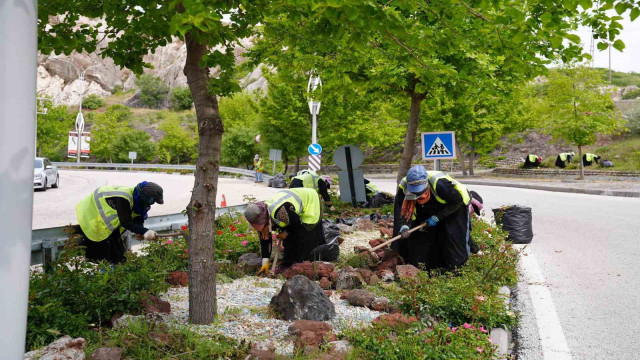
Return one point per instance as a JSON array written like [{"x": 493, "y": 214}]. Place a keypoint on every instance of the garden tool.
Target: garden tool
[
  {"x": 275, "y": 258},
  {"x": 371, "y": 253}
]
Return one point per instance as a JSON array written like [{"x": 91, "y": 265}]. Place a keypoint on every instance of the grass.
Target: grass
[
  {"x": 142, "y": 340},
  {"x": 620, "y": 78}
]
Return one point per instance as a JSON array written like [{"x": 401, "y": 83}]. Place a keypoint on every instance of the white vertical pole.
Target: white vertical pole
[
  {"x": 18, "y": 50},
  {"x": 314, "y": 138}
]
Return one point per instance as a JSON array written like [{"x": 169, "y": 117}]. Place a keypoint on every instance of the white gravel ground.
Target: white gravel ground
[{"x": 244, "y": 313}]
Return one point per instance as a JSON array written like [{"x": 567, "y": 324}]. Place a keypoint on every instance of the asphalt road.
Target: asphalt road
[
  {"x": 586, "y": 246},
  {"x": 56, "y": 207}
]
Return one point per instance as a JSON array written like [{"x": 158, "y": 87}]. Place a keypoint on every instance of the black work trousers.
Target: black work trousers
[
  {"x": 111, "y": 249},
  {"x": 300, "y": 242}
]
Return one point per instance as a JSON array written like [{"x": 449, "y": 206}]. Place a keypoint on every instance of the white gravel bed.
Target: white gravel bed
[
  {"x": 243, "y": 308},
  {"x": 358, "y": 238}
]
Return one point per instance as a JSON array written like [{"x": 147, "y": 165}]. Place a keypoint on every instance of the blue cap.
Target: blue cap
[{"x": 417, "y": 179}]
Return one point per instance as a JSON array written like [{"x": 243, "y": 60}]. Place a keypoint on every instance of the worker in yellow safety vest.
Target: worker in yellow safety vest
[
  {"x": 296, "y": 215},
  {"x": 257, "y": 167},
  {"x": 108, "y": 211},
  {"x": 532, "y": 161},
  {"x": 312, "y": 180},
  {"x": 589, "y": 158},
  {"x": 564, "y": 158},
  {"x": 434, "y": 198}
]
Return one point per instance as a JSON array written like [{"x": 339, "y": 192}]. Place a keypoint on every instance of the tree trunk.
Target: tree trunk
[
  {"x": 286, "y": 164},
  {"x": 472, "y": 154},
  {"x": 297, "y": 165},
  {"x": 581, "y": 163},
  {"x": 461, "y": 157},
  {"x": 410, "y": 138},
  {"x": 201, "y": 209}
]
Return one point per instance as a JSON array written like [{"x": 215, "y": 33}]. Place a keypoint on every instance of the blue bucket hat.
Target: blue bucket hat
[{"x": 417, "y": 179}]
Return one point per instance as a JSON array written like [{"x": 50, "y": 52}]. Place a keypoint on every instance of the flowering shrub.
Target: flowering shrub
[
  {"x": 420, "y": 342},
  {"x": 234, "y": 237}
]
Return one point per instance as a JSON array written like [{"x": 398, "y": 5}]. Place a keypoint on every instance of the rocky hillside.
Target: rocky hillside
[{"x": 58, "y": 75}]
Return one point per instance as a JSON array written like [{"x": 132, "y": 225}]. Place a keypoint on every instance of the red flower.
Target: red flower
[
  {"x": 242, "y": 235},
  {"x": 232, "y": 228},
  {"x": 184, "y": 227},
  {"x": 219, "y": 232}
]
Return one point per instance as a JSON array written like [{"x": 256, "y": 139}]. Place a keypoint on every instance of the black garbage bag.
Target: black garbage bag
[
  {"x": 379, "y": 199},
  {"x": 517, "y": 220},
  {"x": 330, "y": 250},
  {"x": 606, "y": 163},
  {"x": 278, "y": 181}
]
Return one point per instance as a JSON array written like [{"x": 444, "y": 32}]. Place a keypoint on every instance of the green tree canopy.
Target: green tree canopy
[
  {"x": 53, "y": 132},
  {"x": 177, "y": 143},
  {"x": 106, "y": 130},
  {"x": 134, "y": 140}
]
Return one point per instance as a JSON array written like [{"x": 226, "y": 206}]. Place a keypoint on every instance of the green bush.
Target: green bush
[
  {"x": 153, "y": 91},
  {"x": 181, "y": 98},
  {"x": 633, "y": 122},
  {"x": 92, "y": 102},
  {"x": 117, "y": 89},
  {"x": 418, "y": 341},
  {"x": 134, "y": 140},
  {"x": 631, "y": 94},
  {"x": 76, "y": 295},
  {"x": 234, "y": 237}
]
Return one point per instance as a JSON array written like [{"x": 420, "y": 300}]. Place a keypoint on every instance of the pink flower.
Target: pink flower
[
  {"x": 169, "y": 241},
  {"x": 483, "y": 329},
  {"x": 467, "y": 326},
  {"x": 245, "y": 243},
  {"x": 454, "y": 329},
  {"x": 480, "y": 298},
  {"x": 186, "y": 250},
  {"x": 479, "y": 349}
]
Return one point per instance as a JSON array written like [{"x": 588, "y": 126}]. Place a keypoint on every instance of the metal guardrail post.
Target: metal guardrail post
[{"x": 49, "y": 253}]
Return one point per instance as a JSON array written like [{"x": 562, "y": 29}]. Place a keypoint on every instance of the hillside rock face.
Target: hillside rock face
[{"x": 59, "y": 79}]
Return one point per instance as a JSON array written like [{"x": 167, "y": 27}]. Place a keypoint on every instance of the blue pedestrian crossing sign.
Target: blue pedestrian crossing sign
[
  {"x": 315, "y": 149},
  {"x": 438, "y": 145}
]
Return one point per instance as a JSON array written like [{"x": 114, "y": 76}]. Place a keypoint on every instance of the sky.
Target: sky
[{"x": 629, "y": 59}]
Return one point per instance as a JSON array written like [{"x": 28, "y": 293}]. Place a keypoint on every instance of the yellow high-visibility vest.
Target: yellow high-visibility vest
[
  {"x": 305, "y": 201},
  {"x": 96, "y": 218}
]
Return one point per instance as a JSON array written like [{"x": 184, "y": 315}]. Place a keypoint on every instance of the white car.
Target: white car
[{"x": 45, "y": 174}]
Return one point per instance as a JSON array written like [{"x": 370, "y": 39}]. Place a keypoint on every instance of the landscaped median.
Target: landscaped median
[{"x": 383, "y": 311}]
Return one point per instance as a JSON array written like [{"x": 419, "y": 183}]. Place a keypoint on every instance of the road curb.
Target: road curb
[{"x": 618, "y": 193}]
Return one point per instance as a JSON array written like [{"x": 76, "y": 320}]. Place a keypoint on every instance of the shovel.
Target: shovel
[
  {"x": 275, "y": 259},
  {"x": 371, "y": 253}
]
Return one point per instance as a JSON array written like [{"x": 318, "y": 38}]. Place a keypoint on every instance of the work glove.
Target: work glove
[
  {"x": 404, "y": 231},
  {"x": 432, "y": 221},
  {"x": 150, "y": 235},
  {"x": 265, "y": 267}
]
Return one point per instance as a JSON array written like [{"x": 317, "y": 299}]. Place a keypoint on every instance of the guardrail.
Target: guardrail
[
  {"x": 224, "y": 169},
  {"x": 46, "y": 243}
]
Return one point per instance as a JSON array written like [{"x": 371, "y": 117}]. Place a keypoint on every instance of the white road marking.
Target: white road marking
[{"x": 554, "y": 345}]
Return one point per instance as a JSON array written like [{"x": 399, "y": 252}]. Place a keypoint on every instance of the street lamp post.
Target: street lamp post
[{"x": 314, "y": 108}]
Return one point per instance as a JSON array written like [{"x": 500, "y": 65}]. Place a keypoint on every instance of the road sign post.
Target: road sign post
[
  {"x": 437, "y": 146},
  {"x": 132, "y": 155},
  {"x": 314, "y": 107},
  {"x": 275, "y": 155},
  {"x": 348, "y": 158}
]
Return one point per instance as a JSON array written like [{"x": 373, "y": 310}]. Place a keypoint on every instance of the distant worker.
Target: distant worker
[
  {"x": 311, "y": 180},
  {"x": 589, "y": 158},
  {"x": 564, "y": 158},
  {"x": 532, "y": 161},
  {"x": 257, "y": 167},
  {"x": 297, "y": 217},
  {"x": 434, "y": 198},
  {"x": 107, "y": 212},
  {"x": 370, "y": 189}
]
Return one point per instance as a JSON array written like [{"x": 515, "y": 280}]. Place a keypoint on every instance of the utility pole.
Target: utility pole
[
  {"x": 314, "y": 108},
  {"x": 18, "y": 64},
  {"x": 609, "y": 64}
]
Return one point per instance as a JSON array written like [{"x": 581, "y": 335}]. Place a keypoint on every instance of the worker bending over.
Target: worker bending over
[
  {"x": 434, "y": 198},
  {"x": 107, "y": 212},
  {"x": 296, "y": 215},
  {"x": 311, "y": 180},
  {"x": 589, "y": 158},
  {"x": 564, "y": 158}
]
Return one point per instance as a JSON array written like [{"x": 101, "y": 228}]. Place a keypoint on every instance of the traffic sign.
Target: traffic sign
[
  {"x": 315, "y": 149},
  {"x": 438, "y": 145}
]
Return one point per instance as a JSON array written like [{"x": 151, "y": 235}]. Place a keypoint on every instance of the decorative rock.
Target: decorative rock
[
  {"x": 375, "y": 242},
  {"x": 407, "y": 271},
  {"x": 328, "y": 293},
  {"x": 386, "y": 232},
  {"x": 151, "y": 304},
  {"x": 394, "y": 319},
  {"x": 256, "y": 354},
  {"x": 360, "y": 249},
  {"x": 345, "y": 229},
  {"x": 386, "y": 275},
  {"x": 339, "y": 348},
  {"x": 63, "y": 348},
  {"x": 302, "y": 299},
  {"x": 366, "y": 274},
  {"x": 125, "y": 320},
  {"x": 348, "y": 279},
  {"x": 362, "y": 224},
  {"x": 325, "y": 283},
  {"x": 304, "y": 268},
  {"x": 307, "y": 338},
  {"x": 374, "y": 279},
  {"x": 315, "y": 327},
  {"x": 506, "y": 292},
  {"x": 500, "y": 338},
  {"x": 344, "y": 294},
  {"x": 323, "y": 269},
  {"x": 385, "y": 223},
  {"x": 380, "y": 304},
  {"x": 109, "y": 353},
  {"x": 360, "y": 297},
  {"x": 251, "y": 261},
  {"x": 333, "y": 277},
  {"x": 178, "y": 278}
]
